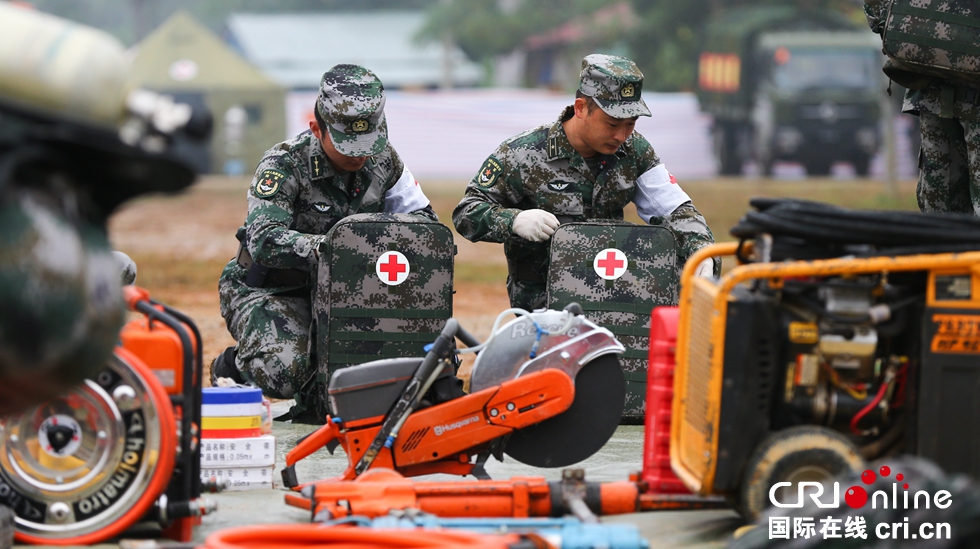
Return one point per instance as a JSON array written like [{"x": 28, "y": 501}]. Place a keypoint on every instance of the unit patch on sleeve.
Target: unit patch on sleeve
[
  {"x": 489, "y": 172},
  {"x": 268, "y": 184}
]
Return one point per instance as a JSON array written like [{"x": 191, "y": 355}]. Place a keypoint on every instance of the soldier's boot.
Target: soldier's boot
[
  {"x": 224, "y": 366},
  {"x": 6, "y": 528}
]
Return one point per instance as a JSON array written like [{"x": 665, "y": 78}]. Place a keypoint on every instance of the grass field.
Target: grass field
[{"x": 181, "y": 243}]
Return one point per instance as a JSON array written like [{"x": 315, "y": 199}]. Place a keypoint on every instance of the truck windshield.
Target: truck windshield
[{"x": 801, "y": 69}]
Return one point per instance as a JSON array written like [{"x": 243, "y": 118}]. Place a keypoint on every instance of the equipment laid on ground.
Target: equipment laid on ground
[
  {"x": 238, "y": 449},
  {"x": 657, "y": 474},
  {"x": 560, "y": 533},
  {"x": 546, "y": 389},
  {"x": 790, "y": 83},
  {"x": 618, "y": 272},
  {"x": 842, "y": 336},
  {"x": 122, "y": 448},
  {"x": 381, "y": 491},
  {"x": 298, "y": 536}
]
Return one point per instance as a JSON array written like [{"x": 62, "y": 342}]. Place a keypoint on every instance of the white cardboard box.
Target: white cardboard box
[{"x": 219, "y": 453}]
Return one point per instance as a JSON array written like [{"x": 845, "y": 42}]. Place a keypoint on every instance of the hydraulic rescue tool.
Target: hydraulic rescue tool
[
  {"x": 842, "y": 336},
  {"x": 119, "y": 449},
  {"x": 546, "y": 389}
]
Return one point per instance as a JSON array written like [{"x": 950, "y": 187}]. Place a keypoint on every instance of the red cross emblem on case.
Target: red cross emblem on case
[
  {"x": 610, "y": 263},
  {"x": 392, "y": 268}
]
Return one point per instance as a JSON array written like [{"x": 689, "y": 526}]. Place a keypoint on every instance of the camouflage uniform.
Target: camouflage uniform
[
  {"x": 948, "y": 110},
  {"x": 294, "y": 199},
  {"x": 539, "y": 169}
]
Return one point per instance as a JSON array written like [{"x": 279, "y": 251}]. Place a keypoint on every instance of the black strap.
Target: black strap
[
  {"x": 525, "y": 272},
  {"x": 358, "y": 312},
  {"x": 270, "y": 278}
]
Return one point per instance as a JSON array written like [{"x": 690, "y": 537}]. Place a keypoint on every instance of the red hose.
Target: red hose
[
  {"x": 309, "y": 536},
  {"x": 864, "y": 411}
]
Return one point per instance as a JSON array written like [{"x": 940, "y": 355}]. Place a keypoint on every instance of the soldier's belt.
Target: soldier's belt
[
  {"x": 525, "y": 272},
  {"x": 267, "y": 277}
]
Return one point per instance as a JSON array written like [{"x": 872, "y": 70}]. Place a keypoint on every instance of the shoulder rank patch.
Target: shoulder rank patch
[
  {"x": 489, "y": 172},
  {"x": 268, "y": 184}
]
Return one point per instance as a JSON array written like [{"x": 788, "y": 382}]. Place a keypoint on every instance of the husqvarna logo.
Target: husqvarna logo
[{"x": 440, "y": 429}]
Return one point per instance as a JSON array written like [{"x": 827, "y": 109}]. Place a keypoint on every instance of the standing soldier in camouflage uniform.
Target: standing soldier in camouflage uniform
[
  {"x": 586, "y": 165},
  {"x": 343, "y": 165},
  {"x": 948, "y": 108}
]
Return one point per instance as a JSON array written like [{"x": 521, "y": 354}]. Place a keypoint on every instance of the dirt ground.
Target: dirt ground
[{"x": 181, "y": 243}]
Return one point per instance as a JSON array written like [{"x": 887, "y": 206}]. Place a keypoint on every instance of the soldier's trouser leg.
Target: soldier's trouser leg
[
  {"x": 273, "y": 334},
  {"x": 944, "y": 166},
  {"x": 526, "y": 295},
  {"x": 971, "y": 132}
]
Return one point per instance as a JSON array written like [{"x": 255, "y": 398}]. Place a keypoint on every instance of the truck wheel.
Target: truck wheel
[
  {"x": 861, "y": 165},
  {"x": 803, "y": 453},
  {"x": 726, "y": 149}
]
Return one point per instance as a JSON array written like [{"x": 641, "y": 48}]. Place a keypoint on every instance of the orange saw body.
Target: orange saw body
[{"x": 445, "y": 438}]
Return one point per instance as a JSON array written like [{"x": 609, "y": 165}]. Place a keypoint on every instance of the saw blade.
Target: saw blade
[{"x": 580, "y": 431}]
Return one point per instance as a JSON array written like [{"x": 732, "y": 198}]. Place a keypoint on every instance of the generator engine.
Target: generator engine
[
  {"x": 844, "y": 354},
  {"x": 842, "y": 336}
]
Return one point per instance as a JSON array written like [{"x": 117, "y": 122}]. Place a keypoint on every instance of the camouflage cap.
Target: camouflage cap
[
  {"x": 352, "y": 102},
  {"x": 615, "y": 83}
]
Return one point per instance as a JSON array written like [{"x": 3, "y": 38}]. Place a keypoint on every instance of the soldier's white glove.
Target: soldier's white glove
[
  {"x": 706, "y": 268},
  {"x": 535, "y": 225}
]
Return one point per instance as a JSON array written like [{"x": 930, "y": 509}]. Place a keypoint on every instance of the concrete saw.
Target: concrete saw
[{"x": 546, "y": 389}]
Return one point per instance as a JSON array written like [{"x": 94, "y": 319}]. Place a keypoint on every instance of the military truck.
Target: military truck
[{"x": 788, "y": 84}]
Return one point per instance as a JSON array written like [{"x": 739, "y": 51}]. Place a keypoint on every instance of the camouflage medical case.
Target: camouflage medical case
[
  {"x": 384, "y": 289},
  {"x": 933, "y": 37},
  {"x": 618, "y": 272}
]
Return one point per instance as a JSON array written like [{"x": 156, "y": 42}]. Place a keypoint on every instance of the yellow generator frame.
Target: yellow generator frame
[{"x": 701, "y": 338}]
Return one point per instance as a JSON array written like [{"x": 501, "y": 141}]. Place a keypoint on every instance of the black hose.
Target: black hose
[{"x": 897, "y": 232}]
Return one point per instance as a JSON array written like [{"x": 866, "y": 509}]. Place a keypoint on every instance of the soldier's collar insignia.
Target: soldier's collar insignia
[
  {"x": 558, "y": 146},
  {"x": 321, "y": 207},
  {"x": 628, "y": 91},
  {"x": 318, "y": 166},
  {"x": 553, "y": 145},
  {"x": 268, "y": 183},
  {"x": 489, "y": 172},
  {"x": 559, "y": 186},
  {"x": 359, "y": 126}
]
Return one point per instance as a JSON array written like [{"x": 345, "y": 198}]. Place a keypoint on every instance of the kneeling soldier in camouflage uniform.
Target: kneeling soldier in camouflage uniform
[
  {"x": 586, "y": 165},
  {"x": 342, "y": 166}
]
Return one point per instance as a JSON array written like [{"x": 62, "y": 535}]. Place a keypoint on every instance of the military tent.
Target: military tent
[{"x": 185, "y": 59}]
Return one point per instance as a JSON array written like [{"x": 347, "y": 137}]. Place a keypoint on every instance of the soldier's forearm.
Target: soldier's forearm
[
  {"x": 692, "y": 233},
  {"x": 280, "y": 248},
  {"x": 480, "y": 221},
  {"x": 426, "y": 212}
]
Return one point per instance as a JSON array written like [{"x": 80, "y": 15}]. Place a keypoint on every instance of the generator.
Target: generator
[
  {"x": 384, "y": 290},
  {"x": 618, "y": 272},
  {"x": 841, "y": 336},
  {"x": 119, "y": 450}
]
